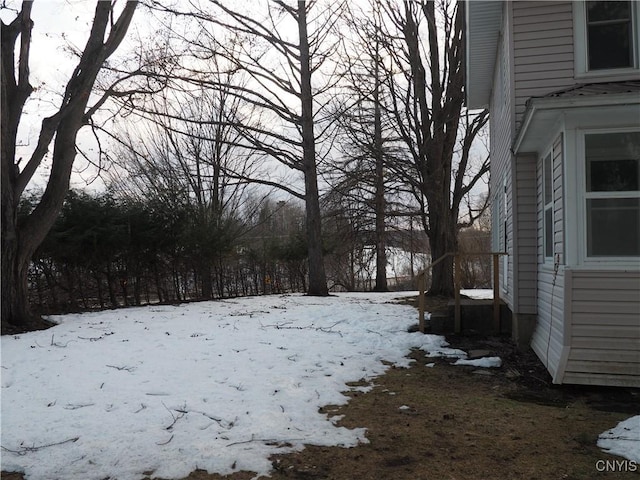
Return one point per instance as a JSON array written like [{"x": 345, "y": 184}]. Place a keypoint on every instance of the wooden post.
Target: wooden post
[
  {"x": 458, "y": 322},
  {"x": 421, "y": 287},
  {"x": 496, "y": 294}
]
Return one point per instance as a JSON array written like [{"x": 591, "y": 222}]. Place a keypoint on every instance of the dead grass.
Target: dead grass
[{"x": 463, "y": 425}]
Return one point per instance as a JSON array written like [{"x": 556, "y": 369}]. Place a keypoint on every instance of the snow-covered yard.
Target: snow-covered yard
[{"x": 218, "y": 386}]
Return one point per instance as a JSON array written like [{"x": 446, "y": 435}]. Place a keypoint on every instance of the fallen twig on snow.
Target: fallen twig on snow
[
  {"x": 128, "y": 369},
  {"x": 24, "y": 450},
  {"x": 165, "y": 443},
  {"x": 285, "y": 326},
  {"x": 268, "y": 441},
  {"x": 175, "y": 417},
  {"x": 72, "y": 406}
]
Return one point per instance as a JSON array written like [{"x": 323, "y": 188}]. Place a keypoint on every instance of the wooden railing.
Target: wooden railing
[{"x": 422, "y": 287}]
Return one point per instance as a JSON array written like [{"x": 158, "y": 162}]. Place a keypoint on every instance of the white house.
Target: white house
[{"x": 562, "y": 82}]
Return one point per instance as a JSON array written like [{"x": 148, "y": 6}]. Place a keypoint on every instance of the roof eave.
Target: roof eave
[
  {"x": 482, "y": 20},
  {"x": 542, "y": 112}
]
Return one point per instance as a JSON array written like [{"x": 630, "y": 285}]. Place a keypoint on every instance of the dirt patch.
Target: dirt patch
[
  {"x": 458, "y": 422},
  {"x": 452, "y": 422},
  {"x": 467, "y": 423}
]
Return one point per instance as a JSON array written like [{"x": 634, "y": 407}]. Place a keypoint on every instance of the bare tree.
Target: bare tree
[
  {"x": 19, "y": 240},
  {"x": 194, "y": 164},
  {"x": 427, "y": 88},
  {"x": 367, "y": 141},
  {"x": 282, "y": 47}
]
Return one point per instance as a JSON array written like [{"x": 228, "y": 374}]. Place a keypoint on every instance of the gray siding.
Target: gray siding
[
  {"x": 549, "y": 336},
  {"x": 587, "y": 322},
  {"x": 543, "y": 49},
  {"x": 526, "y": 234},
  {"x": 501, "y": 126},
  {"x": 605, "y": 328}
]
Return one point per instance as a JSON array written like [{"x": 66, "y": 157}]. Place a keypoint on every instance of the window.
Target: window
[
  {"x": 609, "y": 34},
  {"x": 499, "y": 230},
  {"x": 606, "y": 38},
  {"x": 612, "y": 194},
  {"x": 547, "y": 186}
]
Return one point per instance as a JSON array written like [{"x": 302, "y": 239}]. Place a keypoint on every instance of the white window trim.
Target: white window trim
[
  {"x": 550, "y": 205},
  {"x": 580, "y": 46},
  {"x": 581, "y": 197}
]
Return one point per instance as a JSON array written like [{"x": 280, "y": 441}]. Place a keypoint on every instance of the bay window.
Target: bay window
[
  {"x": 612, "y": 194},
  {"x": 547, "y": 185}
]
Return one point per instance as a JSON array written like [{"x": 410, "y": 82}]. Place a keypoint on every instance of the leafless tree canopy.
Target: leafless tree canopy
[{"x": 354, "y": 109}]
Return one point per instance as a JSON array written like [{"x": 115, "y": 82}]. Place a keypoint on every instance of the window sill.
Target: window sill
[
  {"x": 617, "y": 75},
  {"x": 629, "y": 265}
]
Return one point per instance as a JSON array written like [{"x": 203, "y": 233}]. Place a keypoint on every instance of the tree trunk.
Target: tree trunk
[
  {"x": 380, "y": 206},
  {"x": 19, "y": 241},
  {"x": 15, "y": 292},
  {"x": 317, "y": 275},
  {"x": 14, "y": 304},
  {"x": 443, "y": 240},
  {"x": 98, "y": 279},
  {"x": 206, "y": 281},
  {"x": 110, "y": 282}
]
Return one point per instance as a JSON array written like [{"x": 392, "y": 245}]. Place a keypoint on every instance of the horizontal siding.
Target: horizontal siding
[
  {"x": 617, "y": 296},
  {"x": 608, "y": 343},
  {"x": 544, "y": 9},
  {"x": 553, "y": 36},
  {"x": 528, "y": 69},
  {"x": 614, "y": 355},
  {"x": 605, "y": 330},
  {"x": 533, "y": 61},
  {"x": 527, "y": 228},
  {"x": 629, "y": 319},
  {"x": 602, "y": 379},
  {"x": 549, "y": 335},
  {"x": 544, "y": 54},
  {"x": 545, "y": 39},
  {"x": 529, "y": 241},
  {"x": 628, "y": 281},
  {"x": 543, "y": 50},
  {"x": 607, "y": 308},
  {"x": 597, "y": 332},
  {"x": 601, "y": 366},
  {"x": 501, "y": 137},
  {"x": 543, "y": 80},
  {"x": 524, "y": 25},
  {"x": 547, "y": 340}
]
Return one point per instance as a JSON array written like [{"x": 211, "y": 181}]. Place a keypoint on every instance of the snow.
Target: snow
[
  {"x": 478, "y": 294},
  {"x": 485, "y": 362},
  {"x": 623, "y": 439},
  {"x": 219, "y": 386}
]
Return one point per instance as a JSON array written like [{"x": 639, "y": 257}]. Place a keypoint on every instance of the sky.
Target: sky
[
  {"x": 219, "y": 386},
  {"x": 57, "y": 24}
]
